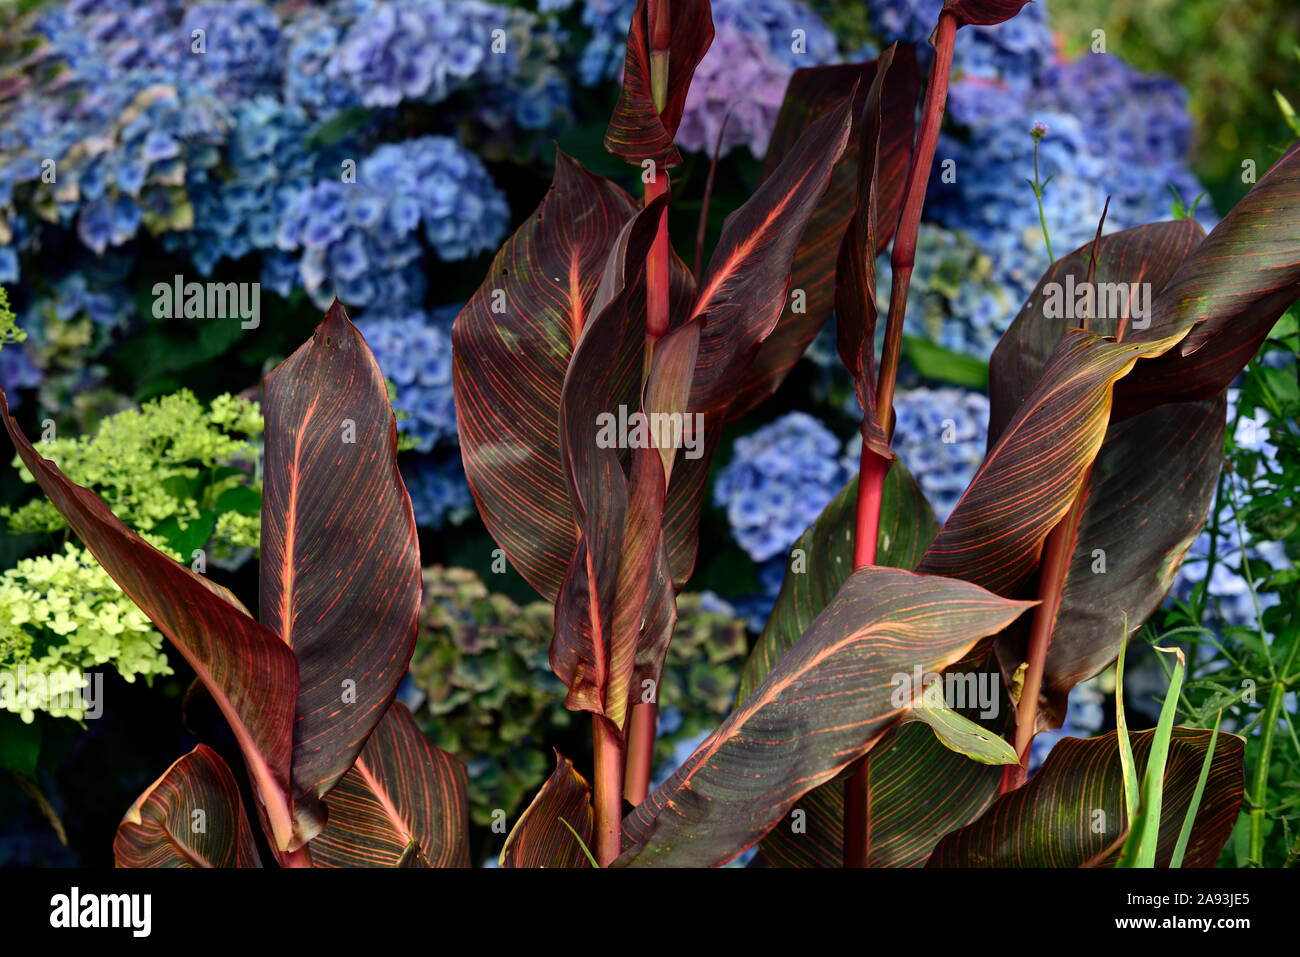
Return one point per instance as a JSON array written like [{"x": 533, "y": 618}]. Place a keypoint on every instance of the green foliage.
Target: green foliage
[
  {"x": 62, "y": 613},
  {"x": 170, "y": 467},
  {"x": 9, "y": 332},
  {"x": 1252, "y": 673},
  {"x": 482, "y": 662}
]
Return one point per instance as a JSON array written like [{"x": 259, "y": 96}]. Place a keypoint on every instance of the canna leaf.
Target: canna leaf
[
  {"x": 1229, "y": 292},
  {"x": 1161, "y": 465},
  {"x": 251, "y": 674},
  {"x": 773, "y": 749},
  {"x": 512, "y": 344},
  {"x": 919, "y": 789},
  {"x": 556, "y": 828},
  {"x": 160, "y": 828},
  {"x": 340, "y": 570},
  {"x": 1071, "y": 813},
  {"x": 821, "y": 561},
  {"x": 855, "y": 274},
  {"x": 402, "y": 804},
  {"x": 601, "y": 605},
  {"x": 813, "y": 91},
  {"x": 638, "y": 130},
  {"x": 984, "y": 12},
  {"x": 744, "y": 289},
  {"x": 994, "y": 536}
]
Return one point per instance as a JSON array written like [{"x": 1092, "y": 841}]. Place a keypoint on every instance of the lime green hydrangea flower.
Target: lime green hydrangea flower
[
  {"x": 9, "y": 331},
  {"x": 61, "y": 615},
  {"x": 171, "y": 467}
]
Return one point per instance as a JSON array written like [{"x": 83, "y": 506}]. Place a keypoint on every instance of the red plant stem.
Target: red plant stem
[
  {"x": 1057, "y": 550},
  {"x": 903, "y": 257},
  {"x": 871, "y": 475},
  {"x": 866, "y": 529},
  {"x": 644, "y": 719},
  {"x": 608, "y": 795},
  {"x": 640, "y": 751}
]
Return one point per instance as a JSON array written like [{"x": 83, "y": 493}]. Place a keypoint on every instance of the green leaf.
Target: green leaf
[
  {"x": 1189, "y": 822},
  {"x": 958, "y": 733},
  {"x": 241, "y": 499},
  {"x": 1140, "y": 846},
  {"x": 20, "y": 744},
  {"x": 933, "y": 361},
  {"x": 1071, "y": 812},
  {"x": 186, "y": 540}
]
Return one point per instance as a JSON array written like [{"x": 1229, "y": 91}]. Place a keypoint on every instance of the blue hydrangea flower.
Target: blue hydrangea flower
[
  {"x": 414, "y": 352},
  {"x": 439, "y": 490},
  {"x": 777, "y": 483}
]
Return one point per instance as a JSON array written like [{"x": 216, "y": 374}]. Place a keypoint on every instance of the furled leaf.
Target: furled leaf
[
  {"x": 960, "y": 734},
  {"x": 511, "y": 346},
  {"x": 813, "y": 91},
  {"x": 192, "y": 816},
  {"x": 638, "y": 131},
  {"x": 403, "y": 804},
  {"x": 1229, "y": 292},
  {"x": 855, "y": 273},
  {"x": 1071, "y": 813},
  {"x": 541, "y": 838},
  {"x": 775, "y": 747},
  {"x": 251, "y": 674},
  {"x": 340, "y": 570},
  {"x": 600, "y": 608}
]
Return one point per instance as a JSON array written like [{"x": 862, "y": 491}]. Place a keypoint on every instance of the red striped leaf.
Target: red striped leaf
[
  {"x": 540, "y": 838},
  {"x": 984, "y": 12},
  {"x": 1154, "y": 476},
  {"x": 512, "y": 345},
  {"x": 599, "y": 611},
  {"x": 1229, "y": 292},
  {"x": 995, "y": 535},
  {"x": 1071, "y": 813},
  {"x": 251, "y": 674},
  {"x": 340, "y": 572},
  {"x": 638, "y": 131},
  {"x": 813, "y": 91},
  {"x": 827, "y": 701},
  {"x": 192, "y": 816},
  {"x": 402, "y": 804},
  {"x": 511, "y": 349},
  {"x": 855, "y": 272},
  {"x": 919, "y": 789},
  {"x": 744, "y": 290}
]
